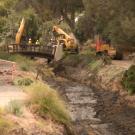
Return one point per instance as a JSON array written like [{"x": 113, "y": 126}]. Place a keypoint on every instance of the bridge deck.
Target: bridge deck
[{"x": 31, "y": 50}]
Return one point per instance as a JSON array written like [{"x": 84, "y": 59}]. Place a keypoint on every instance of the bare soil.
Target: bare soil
[{"x": 114, "y": 107}]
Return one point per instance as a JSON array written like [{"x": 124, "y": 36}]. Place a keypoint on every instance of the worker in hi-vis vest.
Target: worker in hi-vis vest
[
  {"x": 30, "y": 41},
  {"x": 37, "y": 42}
]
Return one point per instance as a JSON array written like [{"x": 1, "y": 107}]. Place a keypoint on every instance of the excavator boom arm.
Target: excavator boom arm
[
  {"x": 20, "y": 32},
  {"x": 61, "y": 32}
]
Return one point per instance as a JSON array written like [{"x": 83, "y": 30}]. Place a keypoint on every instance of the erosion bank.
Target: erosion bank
[{"x": 114, "y": 104}]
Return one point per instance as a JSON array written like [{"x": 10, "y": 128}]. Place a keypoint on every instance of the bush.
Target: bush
[
  {"x": 128, "y": 80},
  {"x": 25, "y": 63},
  {"x": 4, "y": 56},
  {"x": 14, "y": 107},
  {"x": 23, "y": 81},
  {"x": 43, "y": 70},
  {"x": 83, "y": 59},
  {"x": 46, "y": 102},
  {"x": 71, "y": 60},
  {"x": 5, "y": 126},
  {"x": 95, "y": 65}
]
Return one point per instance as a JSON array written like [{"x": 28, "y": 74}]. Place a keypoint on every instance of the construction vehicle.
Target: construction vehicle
[
  {"x": 50, "y": 52},
  {"x": 62, "y": 38},
  {"x": 105, "y": 48},
  {"x": 20, "y": 32}
]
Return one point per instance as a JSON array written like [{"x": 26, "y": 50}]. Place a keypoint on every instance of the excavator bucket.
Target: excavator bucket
[{"x": 20, "y": 32}]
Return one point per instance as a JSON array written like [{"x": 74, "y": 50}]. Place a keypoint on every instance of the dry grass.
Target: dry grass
[
  {"x": 5, "y": 125},
  {"x": 47, "y": 103}
]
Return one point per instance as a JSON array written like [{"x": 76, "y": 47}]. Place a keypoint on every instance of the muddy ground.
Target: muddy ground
[{"x": 114, "y": 109}]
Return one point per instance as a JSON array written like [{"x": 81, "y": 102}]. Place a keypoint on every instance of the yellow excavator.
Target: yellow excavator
[
  {"x": 20, "y": 32},
  {"x": 62, "y": 38}
]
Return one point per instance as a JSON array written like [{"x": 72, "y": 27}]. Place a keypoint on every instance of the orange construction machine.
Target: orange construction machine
[{"x": 105, "y": 48}]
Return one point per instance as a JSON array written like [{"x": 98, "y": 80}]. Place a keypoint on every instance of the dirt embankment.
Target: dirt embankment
[
  {"x": 107, "y": 78},
  {"x": 26, "y": 123},
  {"x": 114, "y": 104}
]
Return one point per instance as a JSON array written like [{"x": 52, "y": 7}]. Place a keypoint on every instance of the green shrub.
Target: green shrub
[
  {"x": 15, "y": 108},
  {"x": 23, "y": 81},
  {"x": 25, "y": 63},
  {"x": 128, "y": 80},
  {"x": 71, "y": 60},
  {"x": 44, "y": 71},
  {"x": 95, "y": 65},
  {"x": 47, "y": 102},
  {"x": 84, "y": 58},
  {"x": 4, "y": 56}
]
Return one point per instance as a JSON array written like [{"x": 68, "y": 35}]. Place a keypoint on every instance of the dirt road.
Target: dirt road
[{"x": 122, "y": 63}]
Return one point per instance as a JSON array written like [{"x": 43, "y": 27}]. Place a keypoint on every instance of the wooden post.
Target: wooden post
[{"x": 13, "y": 71}]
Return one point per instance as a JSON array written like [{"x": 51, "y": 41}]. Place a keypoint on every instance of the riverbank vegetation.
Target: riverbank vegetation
[
  {"x": 5, "y": 125},
  {"x": 128, "y": 80},
  {"x": 43, "y": 100},
  {"x": 46, "y": 102}
]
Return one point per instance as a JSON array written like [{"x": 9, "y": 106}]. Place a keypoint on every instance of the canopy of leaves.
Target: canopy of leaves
[
  {"x": 57, "y": 8},
  {"x": 114, "y": 19}
]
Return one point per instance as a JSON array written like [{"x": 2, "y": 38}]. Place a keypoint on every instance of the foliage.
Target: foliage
[
  {"x": 32, "y": 25},
  {"x": 83, "y": 59},
  {"x": 25, "y": 63},
  {"x": 5, "y": 126},
  {"x": 15, "y": 108},
  {"x": 128, "y": 80},
  {"x": 49, "y": 9},
  {"x": 8, "y": 21},
  {"x": 4, "y": 56},
  {"x": 23, "y": 81},
  {"x": 44, "y": 71},
  {"x": 46, "y": 102},
  {"x": 111, "y": 19},
  {"x": 95, "y": 65}
]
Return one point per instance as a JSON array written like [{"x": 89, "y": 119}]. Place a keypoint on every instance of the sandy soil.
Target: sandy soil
[
  {"x": 123, "y": 64},
  {"x": 10, "y": 93}
]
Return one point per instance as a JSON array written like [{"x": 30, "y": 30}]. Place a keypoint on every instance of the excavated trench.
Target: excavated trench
[
  {"x": 95, "y": 112},
  {"x": 82, "y": 103}
]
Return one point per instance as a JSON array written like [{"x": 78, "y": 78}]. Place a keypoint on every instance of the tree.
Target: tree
[
  {"x": 57, "y": 8},
  {"x": 113, "y": 19},
  {"x": 32, "y": 25}
]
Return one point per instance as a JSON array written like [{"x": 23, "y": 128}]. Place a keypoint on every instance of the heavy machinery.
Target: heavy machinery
[
  {"x": 34, "y": 50},
  {"x": 20, "y": 32},
  {"x": 105, "y": 48},
  {"x": 62, "y": 38}
]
